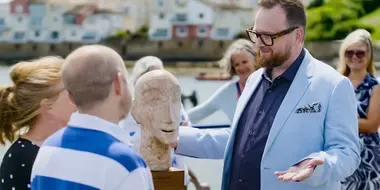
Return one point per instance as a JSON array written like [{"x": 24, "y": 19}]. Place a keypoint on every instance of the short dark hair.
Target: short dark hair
[{"x": 294, "y": 10}]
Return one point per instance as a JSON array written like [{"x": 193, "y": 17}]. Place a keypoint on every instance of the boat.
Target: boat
[{"x": 215, "y": 76}]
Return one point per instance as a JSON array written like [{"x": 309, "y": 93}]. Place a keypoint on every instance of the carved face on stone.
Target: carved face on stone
[{"x": 157, "y": 105}]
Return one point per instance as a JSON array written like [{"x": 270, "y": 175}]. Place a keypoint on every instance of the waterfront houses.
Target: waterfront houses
[
  {"x": 40, "y": 21},
  {"x": 5, "y": 22},
  {"x": 200, "y": 19}
]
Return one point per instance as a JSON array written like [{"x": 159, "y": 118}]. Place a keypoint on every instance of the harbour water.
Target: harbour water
[{"x": 209, "y": 171}]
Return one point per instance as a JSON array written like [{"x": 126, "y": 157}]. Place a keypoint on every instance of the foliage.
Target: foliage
[
  {"x": 334, "y": 20},
  {"x": 373, "y": 19},
  {"x": 315, "y": 3},
  {"x": 142, "y": 33}
]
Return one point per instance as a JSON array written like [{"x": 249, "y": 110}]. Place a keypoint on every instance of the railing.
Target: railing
[{"x": 210, "y": 126}]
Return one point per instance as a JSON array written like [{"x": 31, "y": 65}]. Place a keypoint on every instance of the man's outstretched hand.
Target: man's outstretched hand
[{"x": 299, "y": 172}]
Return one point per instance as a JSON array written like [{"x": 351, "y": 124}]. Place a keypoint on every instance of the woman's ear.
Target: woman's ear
[
  {"x": 45, "y": 105},
  {"x": 135, "y": 112}
]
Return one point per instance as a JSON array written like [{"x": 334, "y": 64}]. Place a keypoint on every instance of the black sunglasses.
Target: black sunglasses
[{"x": 267, "y": 39}]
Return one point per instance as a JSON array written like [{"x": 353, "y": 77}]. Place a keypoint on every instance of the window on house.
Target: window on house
[
  {"x": 55, "y": 19},
  {"x": 37, "y": 33},
  {"x": 160, "y": 32},
  {"x": 202, "y": 31},
  {"x": 200, "y": 15},
  {"x": 181, "y": 17},
  {"x": 162, "y": 15},
  {"x": 73, "y": 33},
  {"x": 89, "y": 36},
  {"x": 160, "y": 3},
  {"x": 19, "y": 19},
  {"x": 19, "y": 8},
  {"x": 54, "y": 35},
  {"x": 19, "y": 35},
  {"x": 182, "y": 31},
  {"x": 2, "y": 22},
  {"x": 223, "y": 32}
]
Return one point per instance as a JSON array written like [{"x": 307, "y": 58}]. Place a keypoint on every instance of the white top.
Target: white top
[
  {"x": 91, "y": 153},
  {"x": 224, "y": 99}
]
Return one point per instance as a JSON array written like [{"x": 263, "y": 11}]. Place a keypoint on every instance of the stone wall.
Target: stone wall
[{"x": 175, "y": 50}]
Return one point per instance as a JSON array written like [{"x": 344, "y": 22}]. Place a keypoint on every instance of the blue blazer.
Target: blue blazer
[{"x": 330, "y": 132}]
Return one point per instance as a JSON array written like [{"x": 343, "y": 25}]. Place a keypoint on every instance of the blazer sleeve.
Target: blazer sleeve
[
  {"x": 210, "y": 106},
  {"x": 202, "y": 143},
  {"x": 341, "y": 153}
]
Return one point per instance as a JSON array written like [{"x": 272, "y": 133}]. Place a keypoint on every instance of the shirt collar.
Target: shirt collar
[
  {"x": 85, "y": 121},
  {"x": 289, "y": 73}
]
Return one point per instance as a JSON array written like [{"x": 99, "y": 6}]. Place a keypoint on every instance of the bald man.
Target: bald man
[{"x": 92, "y": 152}]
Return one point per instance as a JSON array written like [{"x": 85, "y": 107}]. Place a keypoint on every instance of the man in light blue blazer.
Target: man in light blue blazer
[{"x": 295, "y": 125}]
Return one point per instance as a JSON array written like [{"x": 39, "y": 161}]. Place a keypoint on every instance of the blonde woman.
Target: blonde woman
[
  {"x": 356, "y": 62},
  {"x": 142, "y": 66},
  {"x": 239, "y": 60},
  {"x": 37, "y": 103}
]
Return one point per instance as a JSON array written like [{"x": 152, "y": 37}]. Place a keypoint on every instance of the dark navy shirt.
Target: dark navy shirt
[{"x": 254, "y": 126}]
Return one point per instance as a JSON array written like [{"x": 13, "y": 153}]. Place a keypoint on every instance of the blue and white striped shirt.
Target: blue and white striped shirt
[{"x": 89, "y": 154}]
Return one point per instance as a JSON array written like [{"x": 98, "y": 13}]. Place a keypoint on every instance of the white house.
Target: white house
[
  {"x": 101, "y": 24},
  {"x": 55, "y": 22},
  {"x": 160, "y": 26},
  {"x": 4, "y": 20},
  {"x": 133, "y": 13},
  {"x": 228, "y": 23},
  {"x": 192, "y": 18},
  {"x": 19, "y": 21},
  {"x": 180, "y": 19}
]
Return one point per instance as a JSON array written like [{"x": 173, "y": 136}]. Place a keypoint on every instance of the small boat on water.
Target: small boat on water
[{"x": 215, "y": 76}]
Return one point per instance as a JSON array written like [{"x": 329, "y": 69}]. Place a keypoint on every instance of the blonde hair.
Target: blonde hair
[
  {"x": 357, "y": 36},
  {"x": 237, "y": 45},
  {"x": 20, "y": 102}
]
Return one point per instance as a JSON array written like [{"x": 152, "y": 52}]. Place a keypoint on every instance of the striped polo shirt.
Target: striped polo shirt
[{"x": 89, "y": 154}]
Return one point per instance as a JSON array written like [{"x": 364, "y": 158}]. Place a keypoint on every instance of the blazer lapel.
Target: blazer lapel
[
  {"x": 242, "y": 102},
  {"x": 297, "y": 89}
]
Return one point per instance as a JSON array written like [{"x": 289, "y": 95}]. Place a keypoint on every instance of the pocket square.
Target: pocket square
[{"x": 314, "y": 107}]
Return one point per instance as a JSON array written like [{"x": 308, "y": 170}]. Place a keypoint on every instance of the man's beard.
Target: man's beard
[{"x": 275, "y": 59}]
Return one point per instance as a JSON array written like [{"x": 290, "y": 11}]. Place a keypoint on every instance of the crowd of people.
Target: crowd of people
[{"x": 296, "y": 122}]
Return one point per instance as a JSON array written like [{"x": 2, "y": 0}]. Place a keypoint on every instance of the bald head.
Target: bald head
[
  {"x": 155, "y": 80},
  {"x": 88, "y": 74}
]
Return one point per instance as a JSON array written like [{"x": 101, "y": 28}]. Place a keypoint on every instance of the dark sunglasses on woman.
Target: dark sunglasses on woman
[{"x": 360, "y": 54}]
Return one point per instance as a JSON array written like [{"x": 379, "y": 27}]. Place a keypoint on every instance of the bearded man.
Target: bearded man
[{"x": 295, "y": 125}]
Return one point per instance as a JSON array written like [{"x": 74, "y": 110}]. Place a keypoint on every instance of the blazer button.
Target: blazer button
[{"x": 240, "y": 180}]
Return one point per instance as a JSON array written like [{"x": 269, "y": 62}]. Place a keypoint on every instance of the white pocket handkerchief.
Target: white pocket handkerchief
[{"x": 314, "y": 107}]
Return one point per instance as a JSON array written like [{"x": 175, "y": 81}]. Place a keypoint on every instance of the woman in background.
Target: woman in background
[
  {"x": 36, "y": 103},
  {"x": 356, "y": 62},
  {"x": 239, "y": 60},
  {"x": 142, "y": 66}
]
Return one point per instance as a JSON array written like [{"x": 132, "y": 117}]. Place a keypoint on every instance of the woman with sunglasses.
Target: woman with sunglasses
[
  {"x": 31, "y": 109},
  {"x": 356, "y": 62}
]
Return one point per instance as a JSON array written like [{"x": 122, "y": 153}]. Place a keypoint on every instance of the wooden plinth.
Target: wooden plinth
[{"x": 174, "y": 179}]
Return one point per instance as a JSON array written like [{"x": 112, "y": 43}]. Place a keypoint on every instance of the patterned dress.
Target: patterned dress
[{"x": 367, "y": 176}]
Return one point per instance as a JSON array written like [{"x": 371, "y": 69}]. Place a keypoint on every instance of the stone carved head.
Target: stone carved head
[{"x": 157, "y": 105}]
